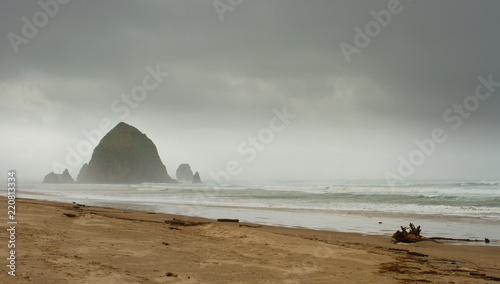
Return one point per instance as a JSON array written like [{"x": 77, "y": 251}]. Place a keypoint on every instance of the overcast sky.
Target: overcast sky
[{"x": 232, "y": 65}]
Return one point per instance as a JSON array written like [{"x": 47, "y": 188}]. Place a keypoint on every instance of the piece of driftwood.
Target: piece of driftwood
[
  {"x": 184, "y": 223},
  {"x": 228, "y": 220},
  {"x": 71, "y": 215},
  {"x": 408, "y": 234},
  {"x": 250, "y": 226},
  {"x": 486, "y": 240},
  {"x": 411, "y": 234}
]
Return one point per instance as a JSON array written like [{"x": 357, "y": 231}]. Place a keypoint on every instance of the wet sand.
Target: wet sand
[{"x": 107, "y": 245}]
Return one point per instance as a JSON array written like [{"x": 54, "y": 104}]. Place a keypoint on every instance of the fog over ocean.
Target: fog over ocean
[{"x": 357, "y": 117}]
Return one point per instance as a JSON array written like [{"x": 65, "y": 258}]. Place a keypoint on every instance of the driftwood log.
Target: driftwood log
[
  {"x": 228, "y": 220},
  {"x": 184, "y": 223},
  {"x": 486, "y": 240},
  {"x": 411, "y": 234}
]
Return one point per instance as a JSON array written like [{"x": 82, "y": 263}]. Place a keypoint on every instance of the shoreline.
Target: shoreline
[
  {"x": 371, "y": 223},
  {"x": 100, "y": 241},
  {"x": 320, "y": 205}
]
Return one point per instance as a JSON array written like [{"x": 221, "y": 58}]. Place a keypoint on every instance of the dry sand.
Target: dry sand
[{"x": 106, "y": 245}]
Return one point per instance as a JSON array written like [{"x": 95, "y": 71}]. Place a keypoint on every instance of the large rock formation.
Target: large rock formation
[
  {"x": 83, "y": 172},
  {"x": 184, "y": 173},
  {"x": 196, "y": 178},
  {"x": 65, "y": 177},
  {"x": 124, "y": 155}
]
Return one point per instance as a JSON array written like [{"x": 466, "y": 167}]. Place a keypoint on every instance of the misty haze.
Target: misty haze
[{"x": 332, "y": 116}]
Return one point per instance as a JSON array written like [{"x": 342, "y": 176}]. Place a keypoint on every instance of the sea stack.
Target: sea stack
[
  {"x": 127, "y": 156},
  {"x": 65, "y": 177},
  {"x": 196, "y": 178},
  {"x": 184, "y": 173}
]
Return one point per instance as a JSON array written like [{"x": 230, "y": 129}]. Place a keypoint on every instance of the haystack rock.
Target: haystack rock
[
  {"x": 125, "y": 155},
  {"x": 196, "y": 178},
  {"x": 184, "y": 173},
  {"x": 83, "y": 172},
  {"x": 65, "y": 177}
]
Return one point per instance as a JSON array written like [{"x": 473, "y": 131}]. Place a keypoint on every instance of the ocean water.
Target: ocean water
[{"x": 443, "y": 209}]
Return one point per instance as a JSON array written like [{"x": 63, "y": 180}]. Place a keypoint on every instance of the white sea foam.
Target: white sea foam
[{"x": 466, "y": 203}]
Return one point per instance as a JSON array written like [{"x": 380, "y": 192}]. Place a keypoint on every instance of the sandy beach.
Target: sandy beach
[{"x": 106, "y": 245}]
